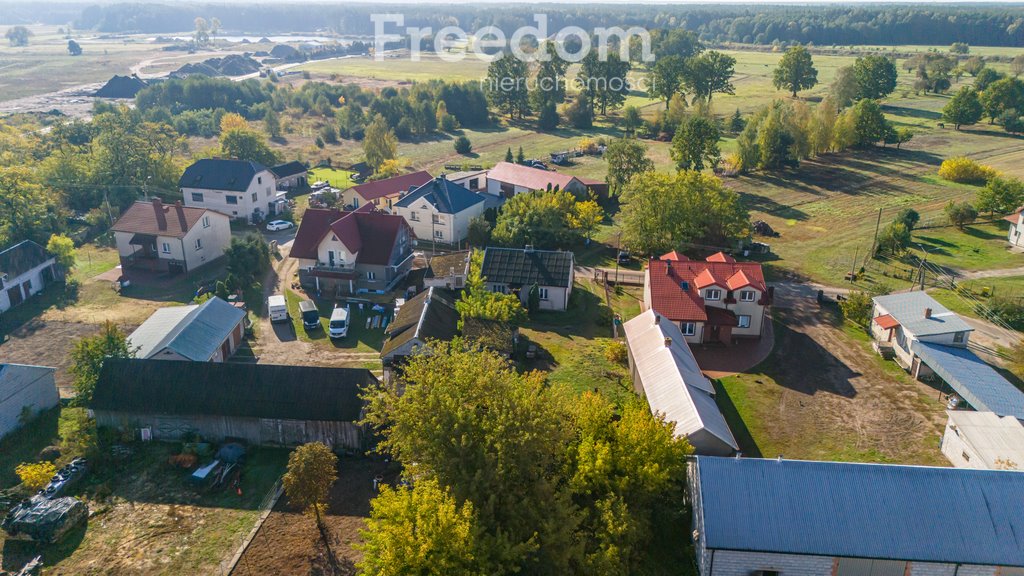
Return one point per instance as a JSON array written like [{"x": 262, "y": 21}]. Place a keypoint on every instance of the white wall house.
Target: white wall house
[
  {"x": 516, "y": 271},
  {"x": 902, "y": 319},
  {"x": 983, "y": 441},
  {"x": 207, "y": 332},
  {"x": 239, "y": 188},
  {"x": 507, "y": 179},
  {"x": 440, "y": 210},
  {"x": 175, "y": 239},
  {"x": 25, "y": 269},
  {"x": 24, "y": 390},
  {"x": 779, "y": 517},
  {"x": 1015, "y": 236}
]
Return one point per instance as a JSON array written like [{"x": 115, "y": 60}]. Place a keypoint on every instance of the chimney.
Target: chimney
[
  {"x": 181, "y": 216},
  {"x": 657, "y": 319},
  {"x": 927, "y": 312},
  {"x": 161, "y": 218},
  {"x": 668, "y": 342}
]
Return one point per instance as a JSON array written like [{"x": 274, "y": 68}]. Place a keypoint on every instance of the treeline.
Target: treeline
[{"x": 986, "y": 25}]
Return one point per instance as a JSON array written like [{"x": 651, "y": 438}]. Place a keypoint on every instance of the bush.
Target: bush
[
  {"x": 856, "y": 308},
  {"x": 960, "y": 214},
  {"x": 35, "y": 476},
  {"x": 463, "y": 145},
  {"x": 615, "y": 352},
  {"x": 966, "y": 171},
  {"x": 77, "y": 433}
]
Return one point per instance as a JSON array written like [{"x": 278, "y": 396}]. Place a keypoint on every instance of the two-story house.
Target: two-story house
[
  {"x": 25, "y": 269},
  {"x": 382, "y": 194},
  {"x": 239, "y": 188},
  {"x": 174, "y": 239},
  {"x": 518, "y": 271},
  {"x": 1015, "y": 236},
  {"x": 440, "y": 210},
  {"x": 712, "y": 300},
  {"x": 352, "y": 252}
]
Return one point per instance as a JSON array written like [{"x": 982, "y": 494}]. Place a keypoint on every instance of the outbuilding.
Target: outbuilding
[{"x": 24, "y": 390}]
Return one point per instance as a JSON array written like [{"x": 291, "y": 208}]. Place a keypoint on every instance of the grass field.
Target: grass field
[{"x": 359, "y": 339}]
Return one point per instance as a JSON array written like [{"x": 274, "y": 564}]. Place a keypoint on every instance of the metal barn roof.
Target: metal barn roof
[
  {"x": 974, "y": 380},
  {"x": 195, "y": 332},
  {"x": 672, "y": 381},
  {"x": 911, "y": 513},
  {"x": 908, "y": 308}
]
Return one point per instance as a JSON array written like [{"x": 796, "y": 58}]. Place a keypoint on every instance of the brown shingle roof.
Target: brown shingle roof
[{"x": 159, "y": 219}]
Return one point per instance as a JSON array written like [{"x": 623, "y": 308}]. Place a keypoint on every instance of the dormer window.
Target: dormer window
[{"x": 712, "y": 294}]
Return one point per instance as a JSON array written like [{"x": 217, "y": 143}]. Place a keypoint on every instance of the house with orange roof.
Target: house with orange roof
[
  {"x": 713, "y": 300},
  {"x": 1016, "y": 234},
  {"x": 507, "y": 179}
]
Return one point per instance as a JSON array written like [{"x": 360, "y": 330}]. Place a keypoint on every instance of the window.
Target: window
[
  {"x": 231, "y": 199},
  {"x": 414, "y": 216},
  {"x": 747, "y": 296},
  {"x": 966, "y": 456},
  {"x": 688, "y": 328},
  {"x": 206, "y": 221},
  {"x": 165, "y": 248},
  {"x": 371, "y": 275},
  {"x": 474, "y": 183},
  {"x": 268, "y": 190},
  {"x": 500, "y": 288},
  {"x": 543, "y": 293},
  {"x": 959, "y": 337},
  {"x": 199, "y": 243},
  {"x": 254, "y": 197},
  {"x": 439, "y": 234},
  {"x": 436, "y": 219},
  {"x": 744, "y": 321},
  {"x": 355, "y": 201},
  {"x": 197, "y": 196},
  {"x": 259, "y": 179},
  {"x": 712, "y": 294}
]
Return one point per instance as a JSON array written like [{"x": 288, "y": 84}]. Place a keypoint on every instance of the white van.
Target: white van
[
  {"x": 277, "y": 308},
  {"x": 338, "y": 327}
]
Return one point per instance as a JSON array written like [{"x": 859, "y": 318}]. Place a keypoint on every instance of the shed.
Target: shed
[
  {"x": 983, "y": 440},
  {"x": 259, "y": 403},
  {"x": 974, "y": 380},
  {"x": 24, "y": 387}
]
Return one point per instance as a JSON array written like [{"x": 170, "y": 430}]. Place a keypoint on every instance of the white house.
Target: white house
[
  {"x": 174, "y": 239},
  {"x": 666, "y": 374},
  {"x": 239, "y": 188},
  {"x": 1015, "y": 236},
  {"x": 207, "y": 332},
  {"x": 291, "y": 175},
  {"x": 447, "y": 270},
  {"x": 25, "y": 269},
  {"x": 983, "y": 440},
  {"x": 472, "y": 180},
  {"x": 902, "y": 319},
  {"x": 507, "y": 179},
  {"x": 440, "y": 210},
  {"x": 713, "y": 300},
  {"x": 517, "y": 271},
  {"x": 382, "y": 194},
  {"x": 24, "y": 390},
  {"x": 779, "y": 517}
]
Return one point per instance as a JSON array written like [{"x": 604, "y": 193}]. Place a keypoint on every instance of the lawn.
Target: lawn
[
  {"x": 977, "y": 247},
  {"x": 972, "y": 292},
  {"x": 336, "y": 177},
  {"x": 359, "y": 339}
]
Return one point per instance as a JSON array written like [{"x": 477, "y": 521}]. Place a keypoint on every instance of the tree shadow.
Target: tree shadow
[
  {"x": 761, "y": 203},
  {"x": 903, "y": 111}
]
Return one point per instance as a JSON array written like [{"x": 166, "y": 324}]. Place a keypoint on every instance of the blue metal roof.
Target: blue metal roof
[
  {"x": 974, "y": 380},
  {"x": 447, "y": 197},
  {"x": 913, "y": 513},
  {"x": 195, "y": 332}
]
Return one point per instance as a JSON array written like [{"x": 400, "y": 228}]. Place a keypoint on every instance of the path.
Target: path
[{"x": 1000, "y": 273}]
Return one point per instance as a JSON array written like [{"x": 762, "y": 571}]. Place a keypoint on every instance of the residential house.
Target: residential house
[
  {"x": 666, "y": 374},
  {"x": 796, "y": 518},
  {"x": 25, "y": 269},
  {"x": 430, "y": 315},
  {"x": 291, "y": 176},
  {"x": 447, "y": 270},
  {"x": 440, "y": 210},
  {"x": 516, "y": 271},
  {"x": 24, "y": 391},
  {"x": 239, "y": 188},
  {"x": 713, "y": 300},
  {"x": 1015, "y": 236},
  {"x": 382, "y": 194},
  {"x": 352, "y": 252},
  {"x": 472, "y": 180},
  {"x": 507, "y": 179},
  {"x": 983, "y": 440},
  {"x": 263, "y": 404},
  {"x": 902, "y": 319},
  {"x": 207, "y": 332},
  {"x": 173, "y": 239}
]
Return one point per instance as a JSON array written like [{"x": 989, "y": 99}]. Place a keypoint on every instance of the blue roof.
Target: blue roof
[
  {"x": 194, "y": 332},
  {"x": 909, "y": 309},
  {"x": 447, "y": 197},
  {"x": 912, "y": 513},
  {"x": 974, "y": 380}
]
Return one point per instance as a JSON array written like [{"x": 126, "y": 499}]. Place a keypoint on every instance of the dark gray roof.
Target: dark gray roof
[
  {"x": 21, "y": 258},
  {"x": 447, "y": 197},
  {"x": 289, "y": 169},
  {"x": 974, "y": 380},
  {"x": 525, "y": 268},
  {"x": 220, "y": 174},
  {"x": 912, "y": 513},
  {"x": 430, "y": 315},
  {"x": 442, "y": 265},
  {"x": 231, "y": 389}
]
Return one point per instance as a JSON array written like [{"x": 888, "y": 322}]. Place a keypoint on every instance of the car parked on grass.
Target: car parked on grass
[
  {"x": 310, "y": 315},
  {"x": 276, "y": 225}
]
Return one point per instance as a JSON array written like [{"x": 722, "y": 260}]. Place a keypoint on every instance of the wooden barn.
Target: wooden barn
[{"x": 259, "y": 403}]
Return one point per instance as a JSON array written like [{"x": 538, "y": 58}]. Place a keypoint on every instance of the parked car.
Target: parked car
[
  {"x": 277, "y": 308},
  {"x": 624, "y": 257},
  {"x": 310, "y": 315},
  {"x": 536, "y": 164},
  {"x": 275, "y": 225},
  {"x": 338, "y": 326}
]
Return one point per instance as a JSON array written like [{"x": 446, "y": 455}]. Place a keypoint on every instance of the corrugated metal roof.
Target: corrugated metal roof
[
  {"x": 992, "y": 437},
  {"x": 912, "y": 513},
  {"x": 195, "y": 332},
  {"x": 974, "y": 380},
  {"x": 908, "y": 308},
  {"x": 14, "y": 377},
  {"x": 672, "y": 381}
]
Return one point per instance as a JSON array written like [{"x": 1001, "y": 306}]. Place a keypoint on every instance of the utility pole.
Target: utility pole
[
  {"x": 618, "y": 250},
  {"x": 874, "y": 241},
  {"x": 853, "y": 266}
]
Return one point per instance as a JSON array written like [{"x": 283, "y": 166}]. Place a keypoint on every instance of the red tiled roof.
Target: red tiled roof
[
  {"x": 670, "y": 300},
  {"x": 141, "y": 218},
  {"x": 1012, "y": 218},
  {"x": 528, "y": 177},
  {"x": 673, "y": 255},
  {"x": 720, "y": 257},
  {"x": 392, "y": 186},
  {"x": 886, "y": 321},
  {"x": 721, "y": 316},
  {"x": 371, "y": 235}
]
